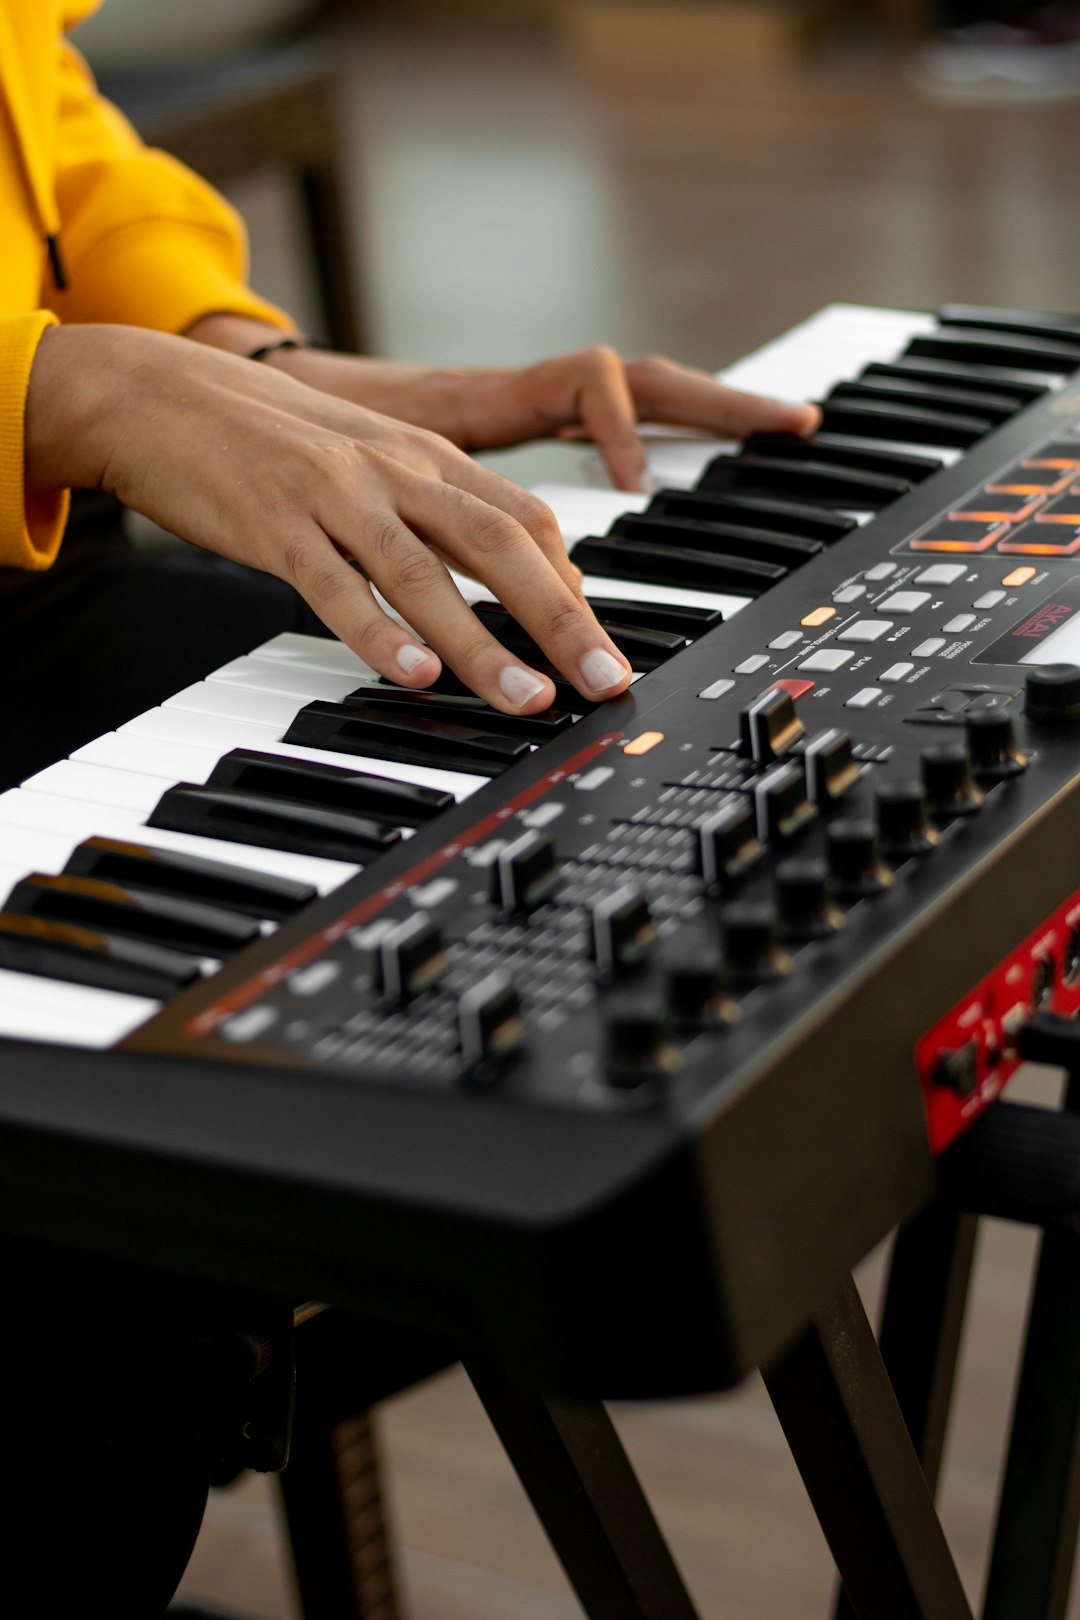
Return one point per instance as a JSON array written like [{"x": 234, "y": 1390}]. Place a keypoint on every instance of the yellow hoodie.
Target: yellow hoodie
[{"x": 137, "y": 238}]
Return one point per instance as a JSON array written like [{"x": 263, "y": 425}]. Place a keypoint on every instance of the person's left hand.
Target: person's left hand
[{"x": 590, "y": 394}]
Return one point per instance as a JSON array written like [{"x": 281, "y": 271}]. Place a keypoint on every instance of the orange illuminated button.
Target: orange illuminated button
[
  {"x": 820, "y": 615},
  {"x": 795, "y": 689},
  {"x": 959, "y": 534},
  {"x": 1042, "y": 540},
  {"x": 643, "y": 742},
  {"x": 988, "y": 507},
  {"x": 1020, "y": 576},
  {"x": 1025, "y": 479},
  {"x": 1056, "y": 455},
  {"x": 1066, "y": 509}
]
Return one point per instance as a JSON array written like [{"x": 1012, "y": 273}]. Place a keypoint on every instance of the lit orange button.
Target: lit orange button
[
  {"x": 1020, "y": 576},
  {"x": 643, "y": 742},
  {"x": 795, "y": 689},
  {"x": 820, "y": 615}
]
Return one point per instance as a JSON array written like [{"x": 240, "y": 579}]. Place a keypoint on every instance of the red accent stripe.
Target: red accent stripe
[{"x": 204, "y": 1023}]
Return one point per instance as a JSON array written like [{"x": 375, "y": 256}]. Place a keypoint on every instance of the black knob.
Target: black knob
[
  {"x": 490, "y": 1022},
  {"x": 991, "y": 740},
  {"x": 728, "y": 844},
  {"x": 904, "y": 826},
  {"x": 783, "y": 809},
  {"x": 802, "y": 894},
  {"x": 638, "y": 1043},
  {"x": 951, "y": 789},
  {"x": 621, "y": 931},
  {"x": 409, "y": 958},
  {"x": 524, "y": 874},
  {"x": 1052, "y": 694},
  {"x": 855, "y": 863},
  {"x": 769, "y": 727},
  {"x": 694, "y": 988},
  {"x": 751, "y": 948}
]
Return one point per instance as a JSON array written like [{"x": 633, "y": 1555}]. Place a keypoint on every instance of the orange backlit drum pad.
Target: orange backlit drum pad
[
  {"x": 1062, "y": 509},
  {"x": 1030, "y": 478},
  {"x": 959, "y": 534},
  {"x": 1038, "y": 539},
  {"x": 989, "y": 506}
]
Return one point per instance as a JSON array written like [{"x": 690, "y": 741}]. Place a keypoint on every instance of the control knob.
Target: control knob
[
  {"x": 769, "y": 727},
  {"x": 621, "y": 931},
  {"x": 638, "y": 1043},
  {"x": 991, "y": 741},
  {"x": 951, "y": 789},
  {"x": 1052, "y": 694},
  {"x": 904, "y": 827},
  {"x": 802, "y": 893},
  {"x": 694, "y": 988},
  {"x": 728, "y": 844},
  {"x": 751, "y": 947},
  {"x": 524, "y": 874},
  {"x": 855, "y": 863},
  {"x": 490, "y": 1022}
]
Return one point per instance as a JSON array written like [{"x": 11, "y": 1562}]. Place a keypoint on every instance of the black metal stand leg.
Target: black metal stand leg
[
  {"x": 1039, "y": 1510},
  {"x": 846, "y": 1432},
  {"x": 922, "y": 1321},
  {"x": 588, "y": 1499}
]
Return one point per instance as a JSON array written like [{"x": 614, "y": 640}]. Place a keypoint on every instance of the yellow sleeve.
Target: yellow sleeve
[
  {"x": 145, "y": 241},
  {"x": 31, "y": 522}
]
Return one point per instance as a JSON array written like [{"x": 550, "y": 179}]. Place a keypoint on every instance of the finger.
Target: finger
[
  {"x": 607, "y": 412},
  {"x": 495, "y": 549},
  {"x": 666, "y": 392},
  {"x": 534, "y": 515},
  {"x": 414, "y": 581},
  {"x": 343, "y": 601}
]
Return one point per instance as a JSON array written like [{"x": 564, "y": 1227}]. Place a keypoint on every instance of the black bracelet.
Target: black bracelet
[{"x": 284, "y": 343}]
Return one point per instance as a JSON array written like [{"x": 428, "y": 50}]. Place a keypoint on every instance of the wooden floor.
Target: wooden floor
[{"x": 506, "y": 206}]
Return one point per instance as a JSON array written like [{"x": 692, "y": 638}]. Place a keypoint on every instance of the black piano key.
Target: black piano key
[
  {"x": 815, "y": 481},
  {"x": 1022, "y": 385},
  {"x": 399, "y": 804},
  {"x": 759, "y": 511},
  {"x": 567, "y": 697},
  {"x": 1018, "y": 322},
  {"x": 990, "y": 348},
  {"x": 469, "y": 711},
  {"x": 253, "y": 894},
  {"x": 272, "y": 823},
  {"x": 680, "y": 619},
  {"x": 674, "y": 565},
  {"x": 83, "y": 956},
  {"x": 995, "y": 407},
  {"x": 347, "y": 728},
  {"x": 736, "y": 539},
  {"x": 645, "y": 649},
  {"x": 903, "y": 423},
  {"x": 838, "y": 453},
  {"x": 181, "y": 924}
]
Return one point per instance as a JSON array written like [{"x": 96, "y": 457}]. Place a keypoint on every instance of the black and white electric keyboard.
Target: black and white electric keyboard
[{"x": 593, "y": 1032}]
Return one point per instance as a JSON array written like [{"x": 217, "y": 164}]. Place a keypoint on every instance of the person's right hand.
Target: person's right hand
[{"x": 256, "y": 466}]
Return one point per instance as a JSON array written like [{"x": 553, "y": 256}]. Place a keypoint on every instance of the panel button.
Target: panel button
[
  {"x": 1040, "y": 539},
  {"x": 866, "y": 630},
  {"x": 716, "y": 690},
  {"x": 927, "y": 648},
  {"x": 603, "y": 773},
  {"x": 863, "y": 699},
  {"x": 989, "y": 599},
  {"x": 820, "y": 615},
  {"x": 959, "y": 534},
  {"x": 1066, "y": 509},
  {"x": 750, "y": 666},
  {"x": 896, "y": 672},
  {"x": 1020, "y": 576},
  {"x": 850, "y": 593},
  {"x": 962, "y": 621},
  {"x": 826, "y": 661},
  {"x": 941, "y": 574},
  {"x": 905, "y": 601},
  {"x": 794, "y": 689},
  {"x": 790, "y": 638},
  {"x": 643, "y": 743},
  {"x": 880, "y": 571}
]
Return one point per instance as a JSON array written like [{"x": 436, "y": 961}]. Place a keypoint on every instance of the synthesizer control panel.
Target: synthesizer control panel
[{"x": 610, "y": 923}]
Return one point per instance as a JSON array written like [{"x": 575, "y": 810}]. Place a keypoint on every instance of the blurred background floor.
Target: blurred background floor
[{"x": 509, "y": 202}]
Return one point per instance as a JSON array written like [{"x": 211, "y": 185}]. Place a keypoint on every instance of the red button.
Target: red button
[{"x": 796, "y": 689}]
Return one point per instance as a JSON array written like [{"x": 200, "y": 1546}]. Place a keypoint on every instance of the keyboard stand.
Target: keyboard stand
[{"x": 846, "y": 1432}]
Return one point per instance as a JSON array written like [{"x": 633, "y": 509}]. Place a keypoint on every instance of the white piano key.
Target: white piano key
[
  {"x": 96, "y": 784},
  {"x": 291, "y": 679},
  {"x": 10, "y": 873},
  {"x": 22, "y": 808},
  {"x": 175, "y": 762},
  {"x": 220, "y": 732},
  {"x": 36, "y": 851},
  {"x": 240, "y": 702},
  {"x": 37, "y": 1008},
  {"x": 579, "y": 511},
  {"x": 323, "y": 653}
]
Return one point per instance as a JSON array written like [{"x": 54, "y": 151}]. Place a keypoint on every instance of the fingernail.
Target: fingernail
[
  {"x": 410, "y": 658},
  {"x": 600, "y": 671},
  {"x": 518, "y": 685}
]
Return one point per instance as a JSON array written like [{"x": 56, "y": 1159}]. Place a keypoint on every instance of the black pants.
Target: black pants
[{"x": 111, "y": 630}]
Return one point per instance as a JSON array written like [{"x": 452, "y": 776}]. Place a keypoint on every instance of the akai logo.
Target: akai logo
[{"x": 1048, "y": 618}]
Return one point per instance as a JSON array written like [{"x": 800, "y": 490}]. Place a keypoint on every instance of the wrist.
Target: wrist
[{"x": 239, "y": 334}]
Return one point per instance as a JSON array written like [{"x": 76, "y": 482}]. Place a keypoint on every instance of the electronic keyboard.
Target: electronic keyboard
[{"x": 612, "y": 1036}]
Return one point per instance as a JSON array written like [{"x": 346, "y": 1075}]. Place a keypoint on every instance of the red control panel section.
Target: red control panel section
[{"x": 964, "y": 1060}]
